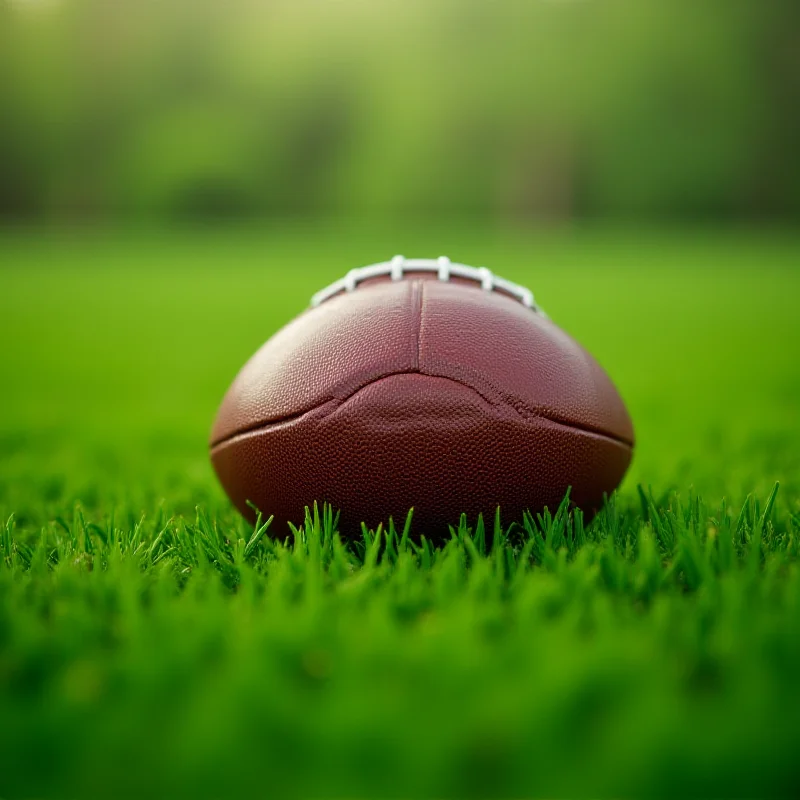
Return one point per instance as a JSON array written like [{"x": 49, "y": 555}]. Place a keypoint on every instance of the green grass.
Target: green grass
[{"x": 151, "y": 643}]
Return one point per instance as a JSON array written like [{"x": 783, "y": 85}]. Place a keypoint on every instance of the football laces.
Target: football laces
[{"x": 444, "y": 268}]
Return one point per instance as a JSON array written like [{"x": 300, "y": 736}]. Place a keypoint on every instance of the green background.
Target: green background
[{"x": 513, "y": 110}]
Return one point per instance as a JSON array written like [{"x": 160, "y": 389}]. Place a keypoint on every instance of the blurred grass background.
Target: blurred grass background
[{"x": 517, "y": 111}]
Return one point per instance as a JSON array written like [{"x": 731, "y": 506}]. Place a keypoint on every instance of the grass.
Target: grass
[{"x": 153, "y": 644}]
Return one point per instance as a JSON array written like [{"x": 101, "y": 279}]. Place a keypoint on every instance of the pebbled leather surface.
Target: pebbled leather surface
[{"x": 419, "y": 393}]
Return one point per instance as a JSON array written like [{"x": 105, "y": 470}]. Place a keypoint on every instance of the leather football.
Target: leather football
[{"x": 425, "y": 384}]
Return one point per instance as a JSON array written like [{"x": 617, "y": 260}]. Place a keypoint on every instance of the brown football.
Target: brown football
[{"x": 420, "y": 383}]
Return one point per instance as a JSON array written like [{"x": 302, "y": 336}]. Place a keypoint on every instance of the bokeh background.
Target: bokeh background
[{"x": 525, "y": 112}]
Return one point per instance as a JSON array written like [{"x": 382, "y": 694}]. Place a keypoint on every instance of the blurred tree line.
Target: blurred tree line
[{"x": 521, "y": 110}]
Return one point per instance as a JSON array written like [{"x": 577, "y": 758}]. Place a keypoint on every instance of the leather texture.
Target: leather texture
[{"x": 418, "y": 392}]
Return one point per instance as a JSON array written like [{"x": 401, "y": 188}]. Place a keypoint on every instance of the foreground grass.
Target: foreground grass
[
  {"x": 152, "y": 644},
  {"x": 653, "y": 652}
]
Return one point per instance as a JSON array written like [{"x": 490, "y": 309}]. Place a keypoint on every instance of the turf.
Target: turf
[{"x": 152, "y": 644}]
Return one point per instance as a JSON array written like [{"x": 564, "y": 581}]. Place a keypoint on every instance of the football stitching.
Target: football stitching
[
  {"x": 337, "y": 403},
  {"x": 418, "y": 299},
  {"x": 489, "y": 392}
]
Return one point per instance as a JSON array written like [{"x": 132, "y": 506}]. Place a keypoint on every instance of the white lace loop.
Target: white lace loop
[{"x": 444, "y": 269}]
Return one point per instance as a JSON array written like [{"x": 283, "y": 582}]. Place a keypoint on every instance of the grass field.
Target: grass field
[{"x": 151, "y": 644}]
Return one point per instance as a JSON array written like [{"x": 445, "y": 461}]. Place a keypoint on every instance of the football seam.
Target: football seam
[
  {"x": 527, "y": 412},
  {"x": 418, "y": 294},
  {"x": 337, "y": 402},
  {"x": 500, "y": 396},
  {"x": 492, "y": 394}
]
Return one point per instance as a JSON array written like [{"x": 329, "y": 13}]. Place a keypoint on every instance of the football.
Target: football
[{"x": 420, "y": 383}]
